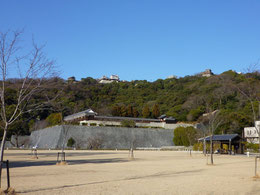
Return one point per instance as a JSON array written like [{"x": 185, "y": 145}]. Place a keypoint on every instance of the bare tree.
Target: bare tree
[
  {"x": 211, "y": 122},
  {"x": 202, "y": 133},
  {"x": 31, "y": 67},
  {"x": 61, "y": 158},
  {"x": 251, "y": 91},
  {"x": 95, "y": 142},
  {"x": 65, "y": 131},
  {"x": 133, "y": 144},
  {"x": 192, "y": 136}
]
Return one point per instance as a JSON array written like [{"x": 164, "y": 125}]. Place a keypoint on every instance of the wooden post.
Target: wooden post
[
  {"x": 8, "y": 176},
  {"x": 61, "y": 157},
  {"x": 7, "y": 172},
  {"x": 204, "y": 146},
  {"x": 256, "y": 166},
  {"x": 230, "y": 147}
]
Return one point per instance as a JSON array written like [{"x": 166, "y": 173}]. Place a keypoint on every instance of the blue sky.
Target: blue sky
[{"x": 140, "y": 39}]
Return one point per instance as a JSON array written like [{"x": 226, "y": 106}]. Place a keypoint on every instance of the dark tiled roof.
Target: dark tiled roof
[
  {"x": 162, "y": 116},
  {"x": 225, "y": 137},
  {"x": 87, "y": 112},
  {"x": 170, "y": 119}
]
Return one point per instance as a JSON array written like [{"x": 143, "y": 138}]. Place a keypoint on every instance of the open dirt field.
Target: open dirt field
[{"x": 111, "y": 172}]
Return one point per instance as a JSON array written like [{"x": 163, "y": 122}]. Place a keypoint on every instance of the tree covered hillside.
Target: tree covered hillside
[{"x": 185, "y": 98}]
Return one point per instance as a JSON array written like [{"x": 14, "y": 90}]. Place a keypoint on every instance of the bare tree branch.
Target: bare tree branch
[{"x": 35, "y": 66}]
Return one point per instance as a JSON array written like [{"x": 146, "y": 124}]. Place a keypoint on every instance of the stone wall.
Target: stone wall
[
  {"x": 20, "y": 141},
  {"x": 46, "y": 138},
  {"x": 110, "y": 137}
]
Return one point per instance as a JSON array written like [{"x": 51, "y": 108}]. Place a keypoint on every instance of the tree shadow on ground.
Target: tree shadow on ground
[
  {"x": 152, "y": 176},
  {"x": 18, "y": 164},
  {"x": 233, "y": 162},
  {"x": 39, "y": 153}
]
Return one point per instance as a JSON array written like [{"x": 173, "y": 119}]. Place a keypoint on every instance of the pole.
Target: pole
[
  {"x": 204, "y": 146},
  {"x": 8, "y": 177},
  {"x": 230, "y": 147}
]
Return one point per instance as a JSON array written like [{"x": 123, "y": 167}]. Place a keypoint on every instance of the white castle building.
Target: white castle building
[{"x": 113, "y": 78}]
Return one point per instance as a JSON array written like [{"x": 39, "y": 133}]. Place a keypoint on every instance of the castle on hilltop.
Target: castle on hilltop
[
  {"x": 207, "y": 73},
  {"x": 112, "y": 78}
]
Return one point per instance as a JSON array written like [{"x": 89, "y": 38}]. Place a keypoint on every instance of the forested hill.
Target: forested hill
[{"x": 185, "y": 98}]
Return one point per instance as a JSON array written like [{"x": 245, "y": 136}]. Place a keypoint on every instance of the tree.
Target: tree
[
  {"x": 156, "y": 111},
  {"x": 65, "y": 131},
  {"x": 95, "y": 142},
  {"x": 178, "y": 134},
  {"x": 191, "y": 134},
  {"x": 251, "y": 91},
  {"x": 18, "y": 128},
  {"x": 123, "y": 111},
  {"x": 33, "y": 68},
  {"x": 115, "y": 110},
  {"x": 54, "y": 119},
  {"x": 71, "y": 142},
  {"x": 135, "y": 112},
  {"x": 146, "y": 111},
  {"x": 129, "y": 111},
  {"x": 185, "y": 136},
  {"x": 211, "y": 122}
]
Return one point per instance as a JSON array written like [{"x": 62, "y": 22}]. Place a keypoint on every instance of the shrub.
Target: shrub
[
  {"x": 71, "y": 142},
  {"x": 111, "y": 125},
  {"x": 198, "y": 146},
  {"x": 127, "y": 123},
  {"x": 185, "y": 136},
  {"x": 93, "y": 124},
  {"x": 251, "y": 146}
]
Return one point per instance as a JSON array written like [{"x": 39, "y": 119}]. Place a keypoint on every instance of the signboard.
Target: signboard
[{"x": 251, "y": 133}]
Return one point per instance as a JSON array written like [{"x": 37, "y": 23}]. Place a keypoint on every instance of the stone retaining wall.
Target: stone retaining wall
[{"x": 109, "y": 137}]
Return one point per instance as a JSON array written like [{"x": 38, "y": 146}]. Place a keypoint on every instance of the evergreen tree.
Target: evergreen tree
[
  {"x": 156, "y": 111},
  {"x": 135, "y": 112},
  {"x": 129, "y": 111},
  {"x": 146, "y": 111}
]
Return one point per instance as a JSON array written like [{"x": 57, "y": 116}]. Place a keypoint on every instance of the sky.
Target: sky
[{"x": 139, "y": 39}]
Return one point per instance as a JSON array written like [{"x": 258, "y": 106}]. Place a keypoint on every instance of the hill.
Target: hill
[{"x": 186, "y": 99}]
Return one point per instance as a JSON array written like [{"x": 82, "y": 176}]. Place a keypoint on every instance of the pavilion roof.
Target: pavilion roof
[{"x": 224, "y": 137}]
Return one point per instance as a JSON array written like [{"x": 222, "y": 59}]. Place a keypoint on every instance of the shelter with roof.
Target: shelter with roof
[
  {"x": 84, "y": 115},
  {"x": 168, "y": 120},
  {"x": 91, "y": 118},
  {"x": 233, "y": 141}
]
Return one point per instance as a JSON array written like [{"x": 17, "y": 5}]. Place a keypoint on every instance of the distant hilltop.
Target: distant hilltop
[
  {"x": 206, "y": 73},
  {"x": 103, "y": 80},
  {"x": 115, "y": 78}
]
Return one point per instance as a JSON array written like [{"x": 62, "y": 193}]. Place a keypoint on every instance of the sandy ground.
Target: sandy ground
[{"x": 112, "y": 172}]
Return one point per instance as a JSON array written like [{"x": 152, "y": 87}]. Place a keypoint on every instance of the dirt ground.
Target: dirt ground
[{"x": 112, "y": 172}]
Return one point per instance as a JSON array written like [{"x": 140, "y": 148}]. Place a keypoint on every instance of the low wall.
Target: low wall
[
  {"x": 151, "y": 124},
  {"x": 110, "y": 137}
]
